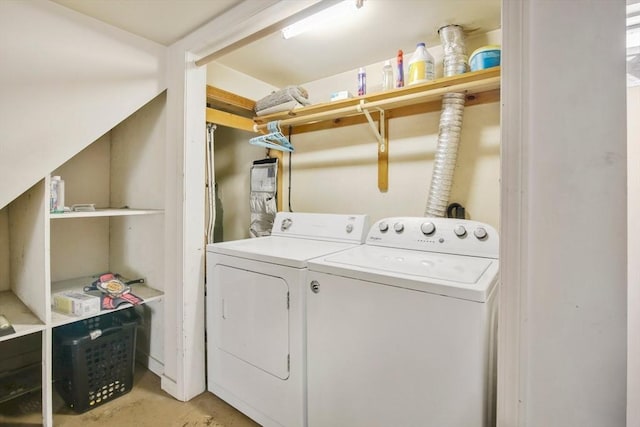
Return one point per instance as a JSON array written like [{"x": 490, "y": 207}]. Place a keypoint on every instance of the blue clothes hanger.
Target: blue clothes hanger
[{"x": 275, "y": 139}]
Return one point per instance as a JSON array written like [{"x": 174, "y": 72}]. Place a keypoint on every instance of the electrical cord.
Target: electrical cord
[
  {"x": 210, "y": 182},
  {"x": 289, "y": 195}
]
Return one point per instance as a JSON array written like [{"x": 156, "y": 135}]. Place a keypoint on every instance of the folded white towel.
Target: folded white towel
[
  {"x": 288, "y": 97},
  {"x": 287, "y": 106}
]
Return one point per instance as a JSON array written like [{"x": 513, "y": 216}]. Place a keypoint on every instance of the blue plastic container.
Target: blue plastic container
[{"x": 485, "y": 57}]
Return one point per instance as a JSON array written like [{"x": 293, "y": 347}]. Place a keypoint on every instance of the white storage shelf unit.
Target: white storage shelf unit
[
  {"x": 23, "y": 265},
  {"x": 42, "y": 253}
]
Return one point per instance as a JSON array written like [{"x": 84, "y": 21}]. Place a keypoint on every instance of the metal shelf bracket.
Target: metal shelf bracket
[{"x": 379, "y": 130}]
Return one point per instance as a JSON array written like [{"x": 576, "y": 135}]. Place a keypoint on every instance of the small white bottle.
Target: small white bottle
[
  {"x": 421, "y": 67},
  {"x": 57, "y": 194},
  {"x": 387, "y": 76}
]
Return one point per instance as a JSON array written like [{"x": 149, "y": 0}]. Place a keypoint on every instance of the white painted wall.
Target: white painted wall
[
  {"x": 65, "y": 80},
  {"x": 564, "y": 232},
  {"x": 336, "y": 170},
  {"x": 233, "y": 159},
  {"x": 233, "y": 153},
  {"x": 86, "y": 177},
  {"x": 633, "y": 224},
  {"x": 223, "y": 77}
]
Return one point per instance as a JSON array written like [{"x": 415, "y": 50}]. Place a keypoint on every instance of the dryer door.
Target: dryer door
[{"x": 252, "y": 318}]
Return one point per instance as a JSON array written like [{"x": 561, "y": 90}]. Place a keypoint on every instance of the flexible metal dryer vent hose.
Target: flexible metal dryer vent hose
[{"x": 454, "y": 62}]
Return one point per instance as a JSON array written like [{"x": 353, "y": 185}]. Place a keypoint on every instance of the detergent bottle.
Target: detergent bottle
[{"x": 421, "y": 65}]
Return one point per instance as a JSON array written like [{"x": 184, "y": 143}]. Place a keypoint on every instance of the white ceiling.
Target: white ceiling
[
  {"x": 163, "y": 21},
  {"x": 379, "y": 29}
]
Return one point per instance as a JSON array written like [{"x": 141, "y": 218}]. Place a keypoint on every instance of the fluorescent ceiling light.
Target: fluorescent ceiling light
[{"x": 324, "y": 18}]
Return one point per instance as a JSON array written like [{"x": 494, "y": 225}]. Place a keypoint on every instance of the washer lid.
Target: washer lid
[
  {"x": 291, "y": 252},
  {"x": 453, "y": 275}
]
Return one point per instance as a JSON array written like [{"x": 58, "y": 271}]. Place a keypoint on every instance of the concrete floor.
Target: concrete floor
[{"x": 145, "y": 405}]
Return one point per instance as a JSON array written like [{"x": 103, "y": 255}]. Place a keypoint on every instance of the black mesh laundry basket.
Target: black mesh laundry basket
[{"x": 94, "y": 359}]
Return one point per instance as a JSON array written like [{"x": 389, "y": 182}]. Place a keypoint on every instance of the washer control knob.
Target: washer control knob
[
  {"x": 286, "y": 223},
  {"x": 349, "y": 228},
  {"x": 398, "y": 227},
  {"x": 428, "y": 228},
  {"x": 480, "y": 233},
  {"x": 383, "y": 226},
  {"x": 460, "y": 231}
]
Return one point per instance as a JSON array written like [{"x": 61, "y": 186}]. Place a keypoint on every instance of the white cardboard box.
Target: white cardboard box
[
  {"x": 340, "y": 95},
  {"x": 76, "y": 303}
]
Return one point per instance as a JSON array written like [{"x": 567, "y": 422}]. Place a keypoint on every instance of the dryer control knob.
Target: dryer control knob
[
  {"x": 349, "y": 228},
  {"x": 460, "y": 231},
  {"x": 480, "y": 233},
  {"x": 383, "y": 226},
  {"x": 428, "y": 228},
  {"x": 398, "y": 227}
]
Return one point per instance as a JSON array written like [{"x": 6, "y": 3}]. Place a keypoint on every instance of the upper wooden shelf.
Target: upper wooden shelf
[{"x": 480, "y": 86}]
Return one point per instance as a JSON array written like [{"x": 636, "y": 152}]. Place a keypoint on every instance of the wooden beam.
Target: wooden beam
[
  {"x": 220, "y": 99},
  {"x": 231, "y": 120},
  {"x": 424, "y": 107}
]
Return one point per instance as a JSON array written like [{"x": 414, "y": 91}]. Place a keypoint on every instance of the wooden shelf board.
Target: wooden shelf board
[
  {"x": 22, "y": 319},
  {"x": 143, "y": 291},
  {"x": 420, "y": 108},
  {"x": 473, "y": 83},
  {"x": 222, "y": 100},
  {"x": 106, "y": 212}
]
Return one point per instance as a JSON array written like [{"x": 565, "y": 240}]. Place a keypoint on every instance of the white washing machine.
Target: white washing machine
[
  {"x": 256, "y": 358},
  {"x": 401, "y": 330}
]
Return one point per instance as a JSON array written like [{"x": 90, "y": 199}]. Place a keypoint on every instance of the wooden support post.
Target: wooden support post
[{"x": 383, "y": 154}]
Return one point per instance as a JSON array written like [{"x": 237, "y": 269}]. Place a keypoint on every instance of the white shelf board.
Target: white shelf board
[
  {"x": 23, "y": 320},
  {"x": 141, "y": 290},
  {"x": 106, "y": 212}
]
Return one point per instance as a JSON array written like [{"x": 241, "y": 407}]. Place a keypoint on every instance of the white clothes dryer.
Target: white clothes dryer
[
  {"x": 256, "y": 359},
  {"x": 401, "y": 330}
]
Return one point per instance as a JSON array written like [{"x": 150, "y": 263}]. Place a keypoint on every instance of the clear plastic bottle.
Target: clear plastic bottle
[
  {"x": 362, "y": 82},
  {"x": 60, "y": 195},
  {"x": 421, "y": 65},
  {"x": 387, "y": 76},
  {"x": 57, "y": 194}
]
